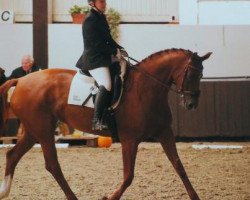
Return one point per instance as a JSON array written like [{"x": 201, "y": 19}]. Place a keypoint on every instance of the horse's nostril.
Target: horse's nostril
[{"x": 190, "y": 106}]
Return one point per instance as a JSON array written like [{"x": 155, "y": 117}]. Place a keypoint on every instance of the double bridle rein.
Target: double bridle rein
[{"x": 179, "y": 91}]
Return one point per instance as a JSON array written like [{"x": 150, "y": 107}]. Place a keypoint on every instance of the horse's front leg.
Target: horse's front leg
[
  {"x": 129, "y": 151},
  {"x": 167, "y": 141}
]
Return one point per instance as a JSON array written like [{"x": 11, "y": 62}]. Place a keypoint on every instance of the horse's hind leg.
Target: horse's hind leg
[
  {"x": 52, "y": 164},
  {"x": 12, "y": 158},
  {"x": 167, "y": 141}
]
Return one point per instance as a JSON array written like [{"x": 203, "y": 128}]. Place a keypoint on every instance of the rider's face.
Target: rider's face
[{"x": 101, "y": 5}]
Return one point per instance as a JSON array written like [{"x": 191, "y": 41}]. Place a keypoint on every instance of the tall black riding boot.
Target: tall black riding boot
[{"x": 101, "y": 102}]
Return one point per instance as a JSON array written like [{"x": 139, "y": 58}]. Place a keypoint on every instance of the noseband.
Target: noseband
[
  {"x": 180, "y": 91},
  {"x": 183, "y": 92}
]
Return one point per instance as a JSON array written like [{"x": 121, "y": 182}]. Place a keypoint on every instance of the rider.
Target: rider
[{"x": 99, "y": 46}]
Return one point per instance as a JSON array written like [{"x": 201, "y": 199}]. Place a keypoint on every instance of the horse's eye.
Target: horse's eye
[
  {"x": 191, "y": 76},
  {"x": 194, "y": 75}
]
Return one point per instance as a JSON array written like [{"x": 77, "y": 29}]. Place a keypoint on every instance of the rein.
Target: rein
[{"x": 167, "y": 85}]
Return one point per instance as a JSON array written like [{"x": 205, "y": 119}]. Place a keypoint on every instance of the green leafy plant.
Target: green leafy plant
[
  {"x": 79, "y": 9},
  {"x": 113, "y": 18}
]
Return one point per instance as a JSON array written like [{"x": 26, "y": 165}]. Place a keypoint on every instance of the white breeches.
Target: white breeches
[{"x": 102, "y": 77}]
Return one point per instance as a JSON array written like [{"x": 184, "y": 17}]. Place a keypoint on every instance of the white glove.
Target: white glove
[
  {"x": 123, "y": 65},
  {"x": 124, "y": 53},
  {"x": 118, "y": 54}
]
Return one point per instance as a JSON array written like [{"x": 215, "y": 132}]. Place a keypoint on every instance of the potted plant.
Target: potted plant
[
  {"x": 113, "y": 18},
  {"x": 78, "y": 13}
]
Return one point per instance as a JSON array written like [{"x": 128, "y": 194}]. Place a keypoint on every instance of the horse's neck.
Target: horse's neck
[
  {"x": 161, "y": 69},
  {"x": 143, "y": 91},
  {"x": 141, "y": 80},
  {"x": 141, "y": 94},
  {"x": 165, "y": 69}
]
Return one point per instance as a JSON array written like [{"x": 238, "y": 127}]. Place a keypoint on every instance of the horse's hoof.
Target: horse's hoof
[{"x": 105, "y": 198}]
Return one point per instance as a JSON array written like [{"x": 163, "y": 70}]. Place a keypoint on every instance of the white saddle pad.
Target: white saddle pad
[
  {"x": 10, "y": 92},
  {"x": 81, "y": 87}
]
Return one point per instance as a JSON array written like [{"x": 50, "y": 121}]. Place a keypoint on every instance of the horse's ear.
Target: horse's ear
[{"x": 205, "y": 57}]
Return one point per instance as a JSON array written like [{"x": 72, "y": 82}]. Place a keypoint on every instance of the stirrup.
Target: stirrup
[{"x": 98, "y": 126}]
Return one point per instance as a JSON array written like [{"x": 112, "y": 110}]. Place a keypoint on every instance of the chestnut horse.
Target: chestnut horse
[{"x": 40, "y": 99}]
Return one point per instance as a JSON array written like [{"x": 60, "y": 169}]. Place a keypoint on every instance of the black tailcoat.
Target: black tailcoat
[{"x": 98, "y": 42}]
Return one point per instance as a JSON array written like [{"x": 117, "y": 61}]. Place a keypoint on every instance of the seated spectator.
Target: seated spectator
[
  {"x": 2, "y": 76},
  {"x": 27, "y": 67}
]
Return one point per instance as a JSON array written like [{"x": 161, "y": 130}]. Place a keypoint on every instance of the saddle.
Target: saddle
[
  {"x": 117, "y": 86},
  {"x": 83, "y": 90}
]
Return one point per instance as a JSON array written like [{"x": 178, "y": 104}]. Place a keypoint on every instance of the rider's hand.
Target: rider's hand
[
  {"x": 124, "y": 53},
  {"x": 118, "y": 54},
  {"x": 123, "y": 65}
]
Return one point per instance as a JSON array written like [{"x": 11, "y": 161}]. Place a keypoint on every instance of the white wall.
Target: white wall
[
  {"x": 15, "y": 41},
  {"x": 229, "y": 44},
  {"x": 224, "y": 12},
  {"x": 188, "y": 11},
  {"x": 214, "y": 12},
  {"x": 65, "y": 45}
]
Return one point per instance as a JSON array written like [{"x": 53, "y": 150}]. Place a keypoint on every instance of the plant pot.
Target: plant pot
[{"x": 78, "y": 18}]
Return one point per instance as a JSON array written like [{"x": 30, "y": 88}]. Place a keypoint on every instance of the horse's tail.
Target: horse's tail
[{"x": 3, "y": 102}]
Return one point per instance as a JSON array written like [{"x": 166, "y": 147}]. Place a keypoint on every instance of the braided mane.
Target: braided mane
[{"x": 166, "y": 51}]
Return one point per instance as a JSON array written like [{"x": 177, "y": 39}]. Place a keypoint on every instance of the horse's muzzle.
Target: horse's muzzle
[{"x": 189, "y": 105}]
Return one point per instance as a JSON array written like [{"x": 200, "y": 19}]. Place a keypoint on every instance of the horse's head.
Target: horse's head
[
  {"x": 190, "y": 81},
  {"x": 181, "y": 67}
]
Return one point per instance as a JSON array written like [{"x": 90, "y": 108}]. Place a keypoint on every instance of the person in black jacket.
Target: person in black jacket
[
  {"x": 3, "y": 78},
  {"x": 27, "y": 67},
  {"x": 99, "y": 46}
]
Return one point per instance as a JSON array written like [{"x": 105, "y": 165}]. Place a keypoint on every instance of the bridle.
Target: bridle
[
  {"x": 183, "y": 92},
  {"x": 167, "y": 85}
]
